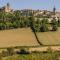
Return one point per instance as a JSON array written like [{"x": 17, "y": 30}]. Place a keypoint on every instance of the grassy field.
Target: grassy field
[
  {"x": 49, "y": 38},
  {"x": 17, "y": 37},
  {"x": 25, "y": 37},
  {"x": 33, "y": 56}
]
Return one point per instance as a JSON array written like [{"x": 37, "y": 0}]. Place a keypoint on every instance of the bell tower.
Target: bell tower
[
  {"x": 7, "y": 8},
  {"x": 8, "y": 4},
  {"x": 54, "y": 10}
]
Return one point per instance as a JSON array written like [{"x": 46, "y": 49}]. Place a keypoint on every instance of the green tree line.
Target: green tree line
[{"x": 17, "y": 20}]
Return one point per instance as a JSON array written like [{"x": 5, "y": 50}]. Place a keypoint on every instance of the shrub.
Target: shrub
[
  {"x": 49, "y": 50},
  {"x": 54, "y": 25},
  {"x": 0, "y": 56},
  {"x": 44, "y": 26},
  {"x": 23, "y": 51},
  {"x": 2, "y": 26},
  {"x": 14, "y": 25},
  {"x": 58, "y": 22},
  {"x": 4, "y": 53},
  {"x": 54, "y": 28},
  {"x": 10, "y": 51}
]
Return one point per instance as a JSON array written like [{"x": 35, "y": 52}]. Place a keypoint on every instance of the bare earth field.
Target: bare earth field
[
  {"x": 49, "y": 38},
  {"x": 17, "y": 37}
]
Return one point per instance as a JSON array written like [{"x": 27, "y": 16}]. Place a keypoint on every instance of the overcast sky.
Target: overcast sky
[{"x": 32, "y": 4}]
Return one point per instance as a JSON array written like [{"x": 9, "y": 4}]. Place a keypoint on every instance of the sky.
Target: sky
[{"x": 32, "y": 4}]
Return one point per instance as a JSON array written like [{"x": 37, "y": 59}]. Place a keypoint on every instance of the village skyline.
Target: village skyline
[{"x": 31, "y": 4}]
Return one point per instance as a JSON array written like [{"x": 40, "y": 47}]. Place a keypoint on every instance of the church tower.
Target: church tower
[
  {"x": 8, "y": 8},
  {"x": 54, "y": 11}
]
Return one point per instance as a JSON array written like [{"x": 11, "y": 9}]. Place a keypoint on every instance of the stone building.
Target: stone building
[{"x": 6, "y": 8}]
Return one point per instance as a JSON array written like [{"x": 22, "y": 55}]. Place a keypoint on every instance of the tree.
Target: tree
[
  {"x": 26, "y": 22},
  {"x": 2, "y": 26},
  {"x": 10, "y": 17},
  {"x": 37, "y": 25},
  {"x": 15, "y": 25},
  {"x": 32, "y": 23},
  {"x": 22, "y": 24},
  {"x": 1, "y": 56},
  {"x": 58, "y": 22},
  {"x": 8, "y": 25},
  {"x": 44, "y": 26},
  {"x": 17, "y": 14},
  {"x": 10, "y": 51},
  {"x": 3, "y": 16},
  {"x": 54, "y": 25}
]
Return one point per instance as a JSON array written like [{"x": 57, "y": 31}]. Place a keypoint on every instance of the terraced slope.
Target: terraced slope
[
  {"x": 49, "y": 38},
  {"x": 17, "y": 37}
]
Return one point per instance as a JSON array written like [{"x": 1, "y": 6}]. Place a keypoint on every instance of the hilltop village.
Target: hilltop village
[
  {"x": 10, "y": 18},
  {"x": 29, "y": 34},
  {"x": 28, "y": 12},
  {"x": 21, "y": 18}
]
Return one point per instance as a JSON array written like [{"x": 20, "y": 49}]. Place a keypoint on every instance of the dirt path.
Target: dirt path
[{"x": 54, "y": 48}]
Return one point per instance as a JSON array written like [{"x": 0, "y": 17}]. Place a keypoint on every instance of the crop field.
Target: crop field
[
  {"x": 49, "y": 38},
  {"x": 17, "y": 37}
]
